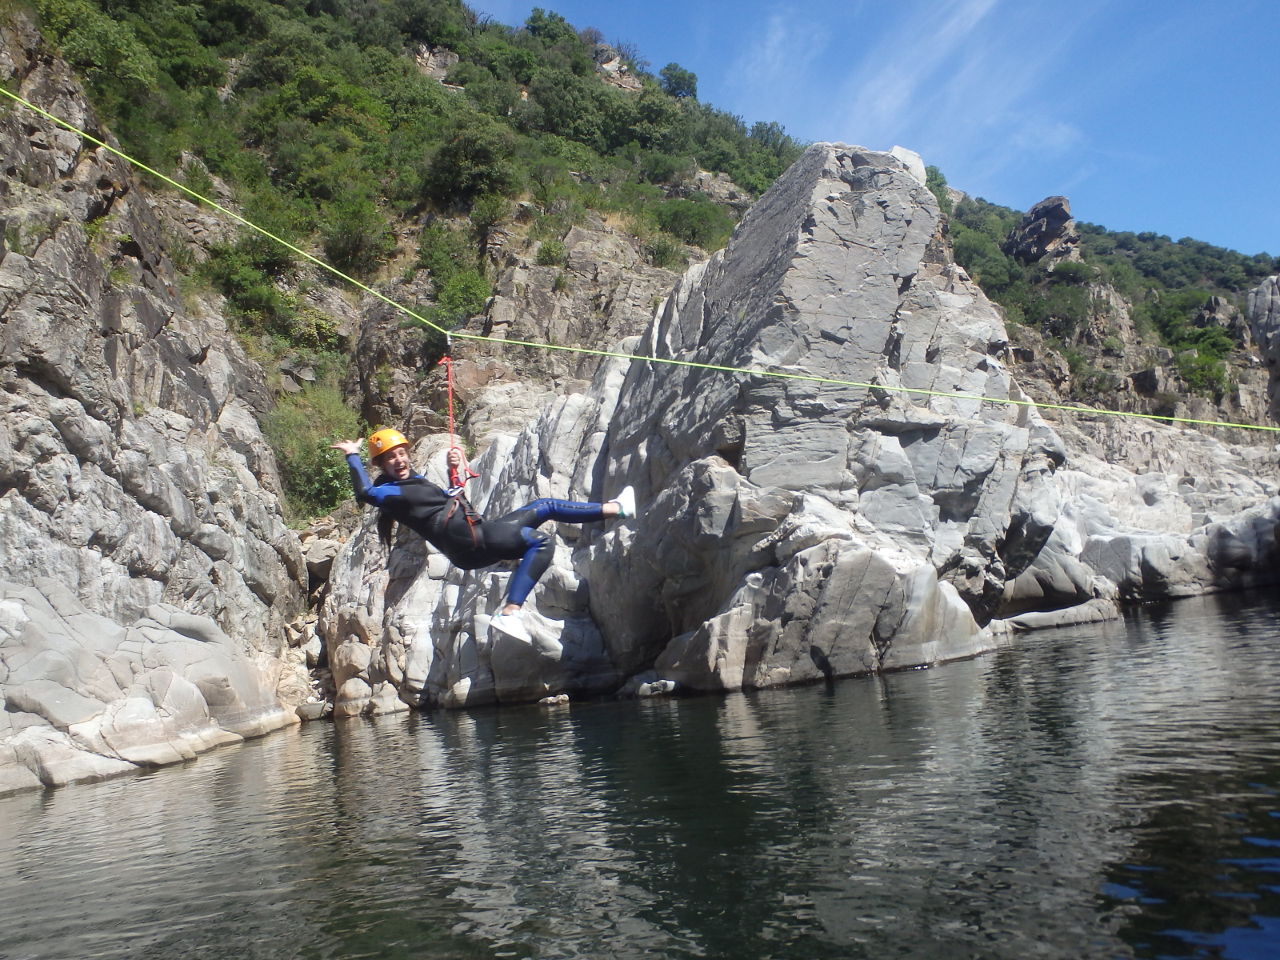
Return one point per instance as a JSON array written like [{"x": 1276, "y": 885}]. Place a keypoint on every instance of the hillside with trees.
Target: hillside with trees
[
  {"x": 1121, "y": 302},
  {"x": 330, "y": 126},
  {"x": 347, "y": 126}
]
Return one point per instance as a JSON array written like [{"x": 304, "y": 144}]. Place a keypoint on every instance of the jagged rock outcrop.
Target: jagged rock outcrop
[
  {"x": 1046, "y": 231},
  {"x": 1221, "y": 313},
  {"x": 606, "y": 291},
  {"x": 871, "y": 518},
  {"x": 1264, "y": 323},
  {"x": 133, "y": 475},
  {"x": 435, "y": 62},
  {"x": 601, "y": 291},
  {"x": 718, "y": 188},
  {"x": 611, "y": 65}
]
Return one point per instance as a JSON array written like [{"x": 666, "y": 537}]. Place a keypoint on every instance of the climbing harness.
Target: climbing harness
[{"x": 587, "y": 351}]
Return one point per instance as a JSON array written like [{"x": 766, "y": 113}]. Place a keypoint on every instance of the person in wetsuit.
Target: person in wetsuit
[{"x": 449, "y": 523}]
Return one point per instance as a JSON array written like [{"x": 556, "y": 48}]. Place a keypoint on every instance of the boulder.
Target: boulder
[
  {"x": 98, "y": 698},
  {"x": 1047, "y": 230}
]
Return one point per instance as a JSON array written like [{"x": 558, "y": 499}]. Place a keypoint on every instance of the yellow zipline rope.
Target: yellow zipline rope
[{"x": 462, "y": 335}]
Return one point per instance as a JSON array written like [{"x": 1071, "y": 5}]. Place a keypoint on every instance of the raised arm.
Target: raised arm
[{"x": 359, "y": 477}]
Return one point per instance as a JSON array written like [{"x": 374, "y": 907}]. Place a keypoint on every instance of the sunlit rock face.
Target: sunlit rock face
[
  {"x": 1264, "y": 324},
  {"x": 859, "y": 518},
  {"x": 135, "y": 484},
  {"x": 861, "y": 512}
]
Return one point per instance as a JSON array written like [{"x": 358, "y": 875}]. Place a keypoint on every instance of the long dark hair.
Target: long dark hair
[{"x": 386, "y": 528}]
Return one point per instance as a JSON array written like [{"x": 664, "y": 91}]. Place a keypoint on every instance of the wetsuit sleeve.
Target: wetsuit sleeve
[{"x": 365, "y": 491}]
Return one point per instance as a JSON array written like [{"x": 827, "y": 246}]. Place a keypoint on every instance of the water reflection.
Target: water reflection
[{"x": 1108, "y": 791}]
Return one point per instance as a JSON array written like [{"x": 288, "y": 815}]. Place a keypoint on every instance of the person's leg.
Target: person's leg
[
  {"x": 561, "y": 511},
  {"x": 514, "y": 535},
  {"x": 504, "y": 540},
  {"x": 534, "y": 563}
]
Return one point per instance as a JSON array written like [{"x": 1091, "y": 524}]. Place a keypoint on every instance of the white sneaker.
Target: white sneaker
[
  {"x": 626, "y": 502},
  {"x": 512, "y": 625}
]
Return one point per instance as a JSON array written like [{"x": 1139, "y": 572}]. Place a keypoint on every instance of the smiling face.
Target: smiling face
[{"x": 395, "y": 463}]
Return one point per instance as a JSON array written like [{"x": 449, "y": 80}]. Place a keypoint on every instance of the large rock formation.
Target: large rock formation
[
  {"x": 1264, "y": 324},
  {"x": 1046, "y": 231},
  {"x": 860, "y": 512},
  {"x": 134, "y": 480}
]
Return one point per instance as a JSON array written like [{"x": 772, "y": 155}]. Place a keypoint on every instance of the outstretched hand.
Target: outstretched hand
[{"x": 346, "y": 446}]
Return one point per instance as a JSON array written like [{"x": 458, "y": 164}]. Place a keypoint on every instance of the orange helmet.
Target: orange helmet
[{"x": 380, "y": 441}]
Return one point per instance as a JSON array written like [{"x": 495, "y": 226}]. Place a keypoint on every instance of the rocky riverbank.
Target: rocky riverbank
[{"x": 861, "y": 512}]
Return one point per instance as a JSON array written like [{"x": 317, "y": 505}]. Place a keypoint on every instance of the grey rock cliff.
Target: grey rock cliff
[
  {"x": 865, "y": 514},
  {"x": 133, "y": 475},
  {"x": 1264, "y": 324}
]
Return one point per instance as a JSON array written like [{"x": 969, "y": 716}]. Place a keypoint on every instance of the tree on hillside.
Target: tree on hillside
[{"x": 679, "y": 82}]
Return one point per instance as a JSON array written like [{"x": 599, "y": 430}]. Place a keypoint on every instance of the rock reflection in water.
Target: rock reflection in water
[{"x": 1108, "y": 791}]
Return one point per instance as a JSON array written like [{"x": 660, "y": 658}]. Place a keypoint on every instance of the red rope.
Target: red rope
[{"x": 457, "y": 477}]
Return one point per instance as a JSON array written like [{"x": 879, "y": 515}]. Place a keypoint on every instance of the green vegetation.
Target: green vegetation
[
  {"x": 300, "y": 429},
  {"x": 315, "y": 110},
  {"x": 1167, "y": 283},
  {"x": 317, "y": 117},
  {"x": 679, "y": 82},
  {"x": 551, "y": 253},
  {"x": 937, "y": 184},
  {"x": 453, "y": 262}
]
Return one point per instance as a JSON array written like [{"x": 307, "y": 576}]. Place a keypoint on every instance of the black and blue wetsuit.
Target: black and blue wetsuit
[{"x": 449, "y": 523}]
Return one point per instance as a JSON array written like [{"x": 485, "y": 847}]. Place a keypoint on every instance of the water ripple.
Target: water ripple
[{"x": 1104, "y": 791}]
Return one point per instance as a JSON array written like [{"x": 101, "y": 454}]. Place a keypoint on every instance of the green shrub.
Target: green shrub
[
  {"x": 555, "y": 224},
  {"x": 313, "y": 329},
  {"x": 106, "y": 49},
  {"x": 679, "y": 82},
  {"x": 444, "y": 251},
  {"x": 357, "y": 239},
  {"x": 664, "y": 251},
  {"x": 460, "y": 296},
  {"x": 488, "y": 211},
  {"x": 551, "y": 253},
  {"x": 1060, "y": 311},
  {"x": 476, "y": 158},
  {"x": 700, "y": 222},
  {"x": 937, "y": 184},
  {"x": 1070, "y": 271},
  {"x": 1206, "y": 375},
  {"x": 300, "y": 429},
  {"x": 251, "y": 293},
  {"x": 659, "y": 168}
]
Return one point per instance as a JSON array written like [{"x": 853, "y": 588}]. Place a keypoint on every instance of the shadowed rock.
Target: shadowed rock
[{"x": 1046, "y": 231}]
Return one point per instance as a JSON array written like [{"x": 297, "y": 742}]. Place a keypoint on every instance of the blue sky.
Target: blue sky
[{"x": 1148, "y": 115}]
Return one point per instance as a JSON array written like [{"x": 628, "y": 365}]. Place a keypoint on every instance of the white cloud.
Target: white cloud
[
  {"x": 906, "y": 63},
  {"x": 773, "y": 65},
  {"x": 985, "y": 89}
]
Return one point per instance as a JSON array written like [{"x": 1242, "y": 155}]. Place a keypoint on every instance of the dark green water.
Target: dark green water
[{"x": 1109, "y": 791}]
